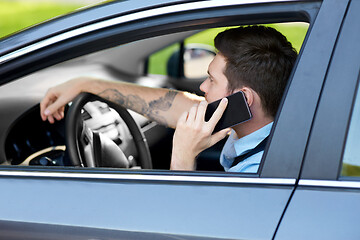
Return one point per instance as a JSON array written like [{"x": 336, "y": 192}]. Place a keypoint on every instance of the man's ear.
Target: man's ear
[{"x": 249, "y": 94}]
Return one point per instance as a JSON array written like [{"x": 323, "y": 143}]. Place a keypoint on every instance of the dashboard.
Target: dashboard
[{"x": 31, "y": 141}]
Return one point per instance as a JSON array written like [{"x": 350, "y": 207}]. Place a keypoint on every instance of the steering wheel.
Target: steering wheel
[{"x": 105, "y": 153}]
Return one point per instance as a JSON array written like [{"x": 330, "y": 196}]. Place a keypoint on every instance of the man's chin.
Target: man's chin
[{"x": 211, "y": 101}]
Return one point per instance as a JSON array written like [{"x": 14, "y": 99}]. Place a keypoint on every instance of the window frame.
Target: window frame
[{"x": 262, "y": 13}]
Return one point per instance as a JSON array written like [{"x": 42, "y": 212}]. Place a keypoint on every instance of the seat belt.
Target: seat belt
[{"x": 260, "y": 147}]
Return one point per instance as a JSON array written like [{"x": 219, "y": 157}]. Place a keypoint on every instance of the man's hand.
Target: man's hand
[
  {"x": 193, "y": 135},
  {"x": 52, "y": 105}
]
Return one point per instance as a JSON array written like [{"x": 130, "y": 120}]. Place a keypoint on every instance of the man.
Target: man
[{"x": 256, "y": 60}]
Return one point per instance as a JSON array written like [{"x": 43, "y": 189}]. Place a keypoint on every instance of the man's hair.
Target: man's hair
[{"x": 260, "y": 58}]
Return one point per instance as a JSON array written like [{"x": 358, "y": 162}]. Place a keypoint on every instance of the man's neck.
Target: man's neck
[{"x": 251, "y": 126}]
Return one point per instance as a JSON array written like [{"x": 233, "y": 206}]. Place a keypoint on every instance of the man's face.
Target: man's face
[{"x": 215, "y": 86}]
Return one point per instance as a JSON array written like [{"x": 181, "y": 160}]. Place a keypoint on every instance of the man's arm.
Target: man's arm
[{"x": 162, "y": 105}]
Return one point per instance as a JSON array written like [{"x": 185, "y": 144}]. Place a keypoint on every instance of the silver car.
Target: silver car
[{"x": 306, "y": 188}]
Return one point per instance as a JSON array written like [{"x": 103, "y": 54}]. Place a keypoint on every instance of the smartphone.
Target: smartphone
[{"x": 237, "y": 111}]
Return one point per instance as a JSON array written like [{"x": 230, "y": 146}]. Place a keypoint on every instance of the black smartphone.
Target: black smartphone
[{"x": 237, "y": 111}]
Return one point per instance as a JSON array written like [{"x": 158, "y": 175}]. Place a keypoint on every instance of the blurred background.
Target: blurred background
[{"x": 19, "y": 14}]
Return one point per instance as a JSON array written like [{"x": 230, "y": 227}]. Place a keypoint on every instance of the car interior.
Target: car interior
[{"x": 31, "y": 142}]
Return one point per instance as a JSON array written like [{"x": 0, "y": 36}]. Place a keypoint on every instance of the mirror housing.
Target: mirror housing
[{"x": 193, "y": 63}]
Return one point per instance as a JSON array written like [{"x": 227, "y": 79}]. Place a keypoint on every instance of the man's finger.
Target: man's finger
[
  {"x": 43, "y": 105},
  {"x": 219, "y": 136},
  {"x": 58, "y": 115},
  {"x": 51, "y": 109},
  {"x": 62, "y": 110},
  {"x": 183, "y": 117},
  {"x": 200, "y": 116},
  {"x": 192, "y": 113},
  {"x": 218, "y": 112},
  {"x": 50, "y": 118}
]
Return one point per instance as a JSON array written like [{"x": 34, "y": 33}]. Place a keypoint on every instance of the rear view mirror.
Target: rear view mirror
[{"x": 194, "y": 62}]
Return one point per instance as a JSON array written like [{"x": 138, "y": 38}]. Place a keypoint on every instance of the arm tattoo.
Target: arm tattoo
[{"x": 151, "y": 110}]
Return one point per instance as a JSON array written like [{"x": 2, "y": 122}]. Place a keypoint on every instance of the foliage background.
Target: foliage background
[
  {"x": 19, "y": 14},
  {"x": 294, "y": 32}
]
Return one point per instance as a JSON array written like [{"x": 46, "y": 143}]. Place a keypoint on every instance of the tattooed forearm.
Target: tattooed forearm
[
  {"x": 151, "y": 110},
  {"x": 163, "y": 103}
]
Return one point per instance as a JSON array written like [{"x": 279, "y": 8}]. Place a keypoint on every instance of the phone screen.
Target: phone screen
[{"x": 237, "y": 111}]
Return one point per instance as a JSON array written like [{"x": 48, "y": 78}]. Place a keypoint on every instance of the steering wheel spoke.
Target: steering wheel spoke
[{"x": 92, "y": 149}]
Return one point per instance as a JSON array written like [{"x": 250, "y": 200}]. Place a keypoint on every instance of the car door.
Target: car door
[
  {"x": 324, "y": 205},
  {"x": 50, "y": 203}
]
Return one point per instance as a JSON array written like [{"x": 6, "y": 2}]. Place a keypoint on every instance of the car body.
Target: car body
[{"x": 299, "y": 191}]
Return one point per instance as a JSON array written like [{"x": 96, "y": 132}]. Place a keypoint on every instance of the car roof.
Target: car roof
[
  {"x": 81, "y": 17},
  {"x": 98, "y": 13}
]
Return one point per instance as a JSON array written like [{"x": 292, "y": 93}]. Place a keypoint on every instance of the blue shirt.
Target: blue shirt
[{"x": 235, "y": 147}]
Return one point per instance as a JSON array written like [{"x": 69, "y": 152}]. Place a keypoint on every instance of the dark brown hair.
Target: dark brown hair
[{"x": 260, "y": 58}]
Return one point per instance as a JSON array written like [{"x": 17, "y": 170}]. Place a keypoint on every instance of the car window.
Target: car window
[
  {"x": 163, "y": 62},
  {"x": 351, "y": 157},
  {"x": 199, "y": 51},
  {"x": 158, "y": 63},
  {"x": 34, "y": 146}
]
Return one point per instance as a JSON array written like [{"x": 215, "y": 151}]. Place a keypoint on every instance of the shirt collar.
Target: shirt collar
[{"x": 248, "y": 142}]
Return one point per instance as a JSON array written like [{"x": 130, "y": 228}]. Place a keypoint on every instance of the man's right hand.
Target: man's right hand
[
  {"x": 193, "y": 135},
  {"x": 53, "y": 104}
]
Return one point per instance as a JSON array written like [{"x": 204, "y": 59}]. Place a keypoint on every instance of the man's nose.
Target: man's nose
[{"x": 203, "y": 86}]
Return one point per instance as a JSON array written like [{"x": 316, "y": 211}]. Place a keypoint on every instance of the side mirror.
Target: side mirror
[{"x": 194, "y": 62}]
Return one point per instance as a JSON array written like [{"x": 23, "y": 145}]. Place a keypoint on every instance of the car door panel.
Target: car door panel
[
  {"x": 321, "y": 213},
  {"x": 174, "y": 206}
]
